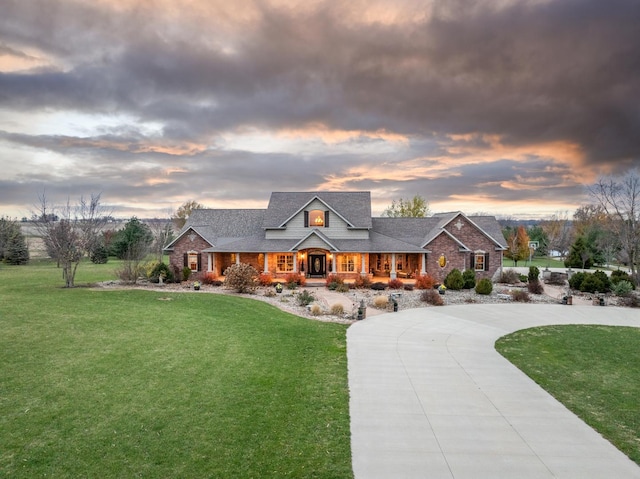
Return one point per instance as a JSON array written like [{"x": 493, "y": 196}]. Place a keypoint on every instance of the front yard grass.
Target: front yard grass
[
  {"x": 593, "y": 370},
  {"x": 97, "y": 383}
]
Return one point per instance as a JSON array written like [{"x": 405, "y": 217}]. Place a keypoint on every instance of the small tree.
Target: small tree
[
  {"x": 183, "y": 213},
  {"x": 559, "y": 232},
  {"x": 241, "y": 277},
  {"x": 132, "y": 245},
  {"x": 518, "y": 244},
  {"x": 416, "y": 207},
  {"x": 580, "y": 255},
  {"x": 620, "y": 199},
  {"x": 13, "y": 245},
  {"x": 69, "y": 232}
]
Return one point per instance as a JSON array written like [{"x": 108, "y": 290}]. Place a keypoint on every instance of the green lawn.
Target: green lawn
[
  {"x": 593, "y": 370},
  {"x": 98, "y": 383}
]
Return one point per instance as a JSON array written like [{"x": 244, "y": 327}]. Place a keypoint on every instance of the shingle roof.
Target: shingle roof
[
  {"x": 353, "y": 206},
  {"x": 242, "y": 230}
]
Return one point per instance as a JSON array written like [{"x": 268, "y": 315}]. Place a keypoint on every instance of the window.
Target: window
[
  {"x": 285, "y": 262},
  {"x": 192, "y": 261},
  {"x": 316, "y": 219},
  {"x": 479, "y": 261},
  {"x": 346, "y": 263}
]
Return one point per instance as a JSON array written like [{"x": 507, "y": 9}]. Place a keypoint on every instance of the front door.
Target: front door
[{"x": 317, "y": 265}]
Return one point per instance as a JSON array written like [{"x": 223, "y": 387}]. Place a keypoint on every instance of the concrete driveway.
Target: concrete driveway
[{"x": 431, "y": 398}]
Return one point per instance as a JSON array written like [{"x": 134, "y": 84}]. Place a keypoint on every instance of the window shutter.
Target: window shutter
[
  {"x": 199, "y": 261},
  {"x": 473, "y": 261},
  {"x": 486, "y": 261},
  {"x": 326, "y": 219},
  {"x": 185, "y": 262},
  {"x": 306, "y": 219}
]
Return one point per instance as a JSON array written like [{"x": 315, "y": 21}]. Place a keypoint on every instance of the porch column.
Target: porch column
[
  {"x": 237, "y": 258},
  {"x": 295, "y": 261},
  {"x": 266, "y": 262},
  {"x": 334, "y": 260},
  {"x": 392, "y": 273},
  {"x": 363, "y": 271},
  {"x": 209, "y": 262},
  {"x": 423, "y": 269}
]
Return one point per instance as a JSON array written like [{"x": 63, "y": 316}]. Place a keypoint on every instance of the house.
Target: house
[{"x": 330, "y": 232}]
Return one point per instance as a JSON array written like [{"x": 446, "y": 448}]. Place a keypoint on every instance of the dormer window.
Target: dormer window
[{"x": 316, "y": 219}]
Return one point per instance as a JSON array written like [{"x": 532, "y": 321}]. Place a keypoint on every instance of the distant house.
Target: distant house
[{"x": 328, "y": 232}]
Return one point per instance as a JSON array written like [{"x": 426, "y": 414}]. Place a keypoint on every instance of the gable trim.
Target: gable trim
[
  {"x": 315, "y": 197},
  {"x": 460, "y": 213},
  {"x": 322, "y": 237},
  {"x": 169, "y": 247},
  {"x": 463, "y": 247}
]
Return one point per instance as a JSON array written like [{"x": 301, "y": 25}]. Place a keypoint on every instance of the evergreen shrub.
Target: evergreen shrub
[
  {"x": 454, "y": 280},
  {"x": 484, "y": 286}
]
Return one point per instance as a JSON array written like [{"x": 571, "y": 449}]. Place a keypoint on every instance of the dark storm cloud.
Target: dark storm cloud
[{"x": 526, "y": 72}]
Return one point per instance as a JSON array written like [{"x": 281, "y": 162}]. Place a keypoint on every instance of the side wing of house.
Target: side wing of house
[{"x": 466, "y": 243}]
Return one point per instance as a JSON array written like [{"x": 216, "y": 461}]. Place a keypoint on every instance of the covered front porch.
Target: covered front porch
[{"x": 316, "y": 263}]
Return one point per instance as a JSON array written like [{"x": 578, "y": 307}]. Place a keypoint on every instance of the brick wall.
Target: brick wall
[
  {"x": 187, "y": 243},
  {"x": 471, "y": 237}
]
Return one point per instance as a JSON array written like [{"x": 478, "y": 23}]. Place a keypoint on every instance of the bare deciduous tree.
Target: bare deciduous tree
[
  {"x": 69, "y": 232},
  {"x": 162, "y": 231},
  {"x": 620, "y": 199},
  {"x": 559, "y": 232}
]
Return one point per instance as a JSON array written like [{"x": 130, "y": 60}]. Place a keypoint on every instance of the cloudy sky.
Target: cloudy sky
[{"x": 503, "y": 106}]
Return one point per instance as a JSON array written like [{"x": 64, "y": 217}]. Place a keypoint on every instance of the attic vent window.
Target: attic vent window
[
  {"x": 459, "y": 225},
  {"x": 192, "y": 237}
]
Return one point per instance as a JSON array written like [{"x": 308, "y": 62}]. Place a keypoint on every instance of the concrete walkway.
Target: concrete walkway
[{"x": 431, "y": 398}]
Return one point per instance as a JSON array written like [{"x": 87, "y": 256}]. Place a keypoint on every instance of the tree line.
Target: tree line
[{"x": 605, "y": 231}]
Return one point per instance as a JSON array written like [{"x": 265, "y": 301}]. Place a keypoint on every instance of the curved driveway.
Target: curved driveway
[{"x": 431, "y": 398}]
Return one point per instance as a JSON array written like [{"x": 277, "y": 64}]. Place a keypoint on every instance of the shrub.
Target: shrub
[
  {"x": 163, "y": 270},
  {"x": 186, "y": 273},
  {"x": 408, "y": 287},
  {"x": 520, "y": 296},
  {"x": 535, "y": 287},
  {"x": 604, "y": 279},
  {"x": 296, "y": 278},
  {"x": 99, "y": 254},
  {"x": 333, "y": 281},
  {"x": 378, "y": 286},
  {"x": 269, "y": 293},
  {"x": 342, "y": 288},
  {"x": 469, "y": 277},
  {"x": 425, "y": 281},
  {"x": 316, "y": 310},
  {"x": 380, "y": 302},
  {"x": 484, "y": 286},
  {"x": 211, "y": 278},
  {"x": 454, "y": 280},
  {"x": 622, "y": 288},
  {"x": 337, "y": 309},
  {"x": 534, "y": 273},
  {"x": 618, "y": 275},
  {"x": 509, "y": 276},
  {"x": 291, "y": 285},
  {"x": 395, "y": 284},
  {"x": 431, "y": 296},
  {"x": 265, "y": 279},
  {"x": 591, "y": 284},
  {"x": 631, "y": 301},
  {"x": 576, "y": 280},
  {"x": 241, "y": 277},
  {"x": 305, "y": 298},
  {"x": 362, "y": 282},
  {"x": 523, "y": 278}
]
